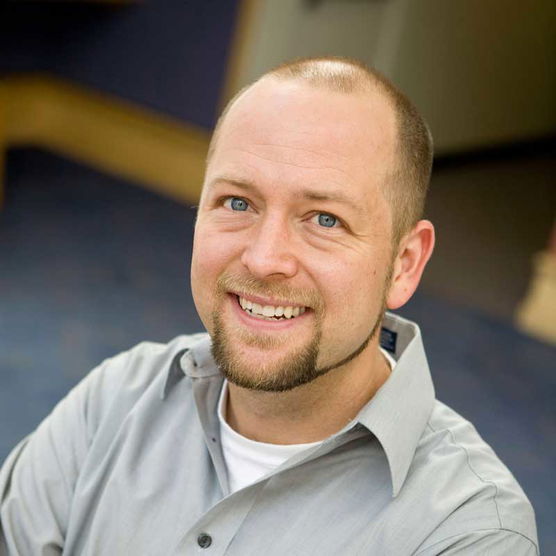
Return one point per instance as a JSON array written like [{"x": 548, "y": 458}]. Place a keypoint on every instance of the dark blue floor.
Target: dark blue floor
[{"x": 90, "y": 265}]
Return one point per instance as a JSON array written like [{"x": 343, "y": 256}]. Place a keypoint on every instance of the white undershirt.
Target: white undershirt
[{"x": 248, "y": 460}]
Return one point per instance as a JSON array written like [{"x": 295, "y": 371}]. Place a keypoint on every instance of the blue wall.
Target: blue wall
[{"x": 169, "y": 55}]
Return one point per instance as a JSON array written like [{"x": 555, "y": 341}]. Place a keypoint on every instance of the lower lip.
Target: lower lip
[{"x": 263, "y": 324}]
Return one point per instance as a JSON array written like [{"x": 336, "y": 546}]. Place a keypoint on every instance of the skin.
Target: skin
[{"x": 293, "y": 153}]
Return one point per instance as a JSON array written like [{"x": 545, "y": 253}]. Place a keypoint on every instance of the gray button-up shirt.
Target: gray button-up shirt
[{"x": 130, "y": 463}]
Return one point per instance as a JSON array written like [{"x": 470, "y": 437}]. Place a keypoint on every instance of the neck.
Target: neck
[{"x": 311, "y": 412}]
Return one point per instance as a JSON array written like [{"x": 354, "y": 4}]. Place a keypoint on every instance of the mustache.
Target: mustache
[{"x": 252, "y": 286}]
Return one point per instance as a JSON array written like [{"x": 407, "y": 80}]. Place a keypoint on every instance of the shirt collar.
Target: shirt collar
[
  {"x": 399, "y": 411},
  {"x": 396, "y": 415},
  {"x": 195, "y": 362}
]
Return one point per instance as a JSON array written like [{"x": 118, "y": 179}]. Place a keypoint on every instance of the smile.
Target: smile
[{"x": 269, "y": 312}]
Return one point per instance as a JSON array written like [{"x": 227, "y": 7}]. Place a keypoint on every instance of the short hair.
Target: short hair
[{"x": 409, "y": 181}]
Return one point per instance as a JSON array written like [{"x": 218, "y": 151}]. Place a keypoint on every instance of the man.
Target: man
[{"x": 287, "y": 429}]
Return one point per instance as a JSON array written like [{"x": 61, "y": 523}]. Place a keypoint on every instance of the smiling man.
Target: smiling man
[{"x": 304, "y": 422}]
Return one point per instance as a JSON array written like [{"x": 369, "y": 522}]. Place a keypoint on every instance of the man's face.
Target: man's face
[{"x": 292, "y": 249}]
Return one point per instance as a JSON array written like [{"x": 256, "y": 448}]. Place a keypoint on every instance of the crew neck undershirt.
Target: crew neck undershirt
[{"x": 248, "y": 460}]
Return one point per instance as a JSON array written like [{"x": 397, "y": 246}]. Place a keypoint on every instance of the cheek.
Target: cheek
[
  {"x": 353, "y": 296},
  {"x": 211, "y": 256},
  {"x": 211, "y": 251},
  {"x": 206, "y": 265}
]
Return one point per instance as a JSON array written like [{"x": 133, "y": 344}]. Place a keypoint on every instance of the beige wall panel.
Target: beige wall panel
[{"x": 482, "y": 72}]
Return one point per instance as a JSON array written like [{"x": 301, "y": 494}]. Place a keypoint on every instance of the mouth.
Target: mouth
[{"x": 275, "y": 313}]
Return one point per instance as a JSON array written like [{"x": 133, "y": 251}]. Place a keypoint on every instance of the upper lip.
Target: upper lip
[{"x": 267, "y": 300}]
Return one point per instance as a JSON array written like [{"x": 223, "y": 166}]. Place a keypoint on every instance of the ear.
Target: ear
[{"x": 414, "y": 251}]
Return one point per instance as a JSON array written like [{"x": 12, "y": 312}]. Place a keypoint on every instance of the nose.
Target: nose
[{"x": 269, "y": 252}]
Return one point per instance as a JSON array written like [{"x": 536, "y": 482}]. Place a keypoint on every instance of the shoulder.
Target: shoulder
[
  {"x": 119, "y": 382},
  {"x": 143, "y": 362},
  {"x": 40, "y": 476},
  {"x": 476, "y": 492}
]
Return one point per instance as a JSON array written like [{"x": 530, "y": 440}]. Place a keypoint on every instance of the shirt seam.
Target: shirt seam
[
  {"x": 533, "y": 543},
  {"x": 468, "y": 458}
]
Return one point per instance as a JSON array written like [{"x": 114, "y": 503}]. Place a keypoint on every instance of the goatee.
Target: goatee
[{"x": 282, "y": 374}]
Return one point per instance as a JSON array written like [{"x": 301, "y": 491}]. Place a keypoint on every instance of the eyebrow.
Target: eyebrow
[
  {"x": 309, "y": 194},
  {"x": 334, "y": 196},
  {"x": 242, "y": 184}
]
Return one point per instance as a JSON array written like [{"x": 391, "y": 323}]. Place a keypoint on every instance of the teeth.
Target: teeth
[{"x": 269, "y": 311}]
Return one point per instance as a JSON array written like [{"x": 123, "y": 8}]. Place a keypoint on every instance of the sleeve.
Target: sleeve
[
  {"x": 494, "y": 542},
  {"x": 38, "y": 478}
]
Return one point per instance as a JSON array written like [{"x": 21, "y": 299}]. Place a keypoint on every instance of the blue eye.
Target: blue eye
[
  {"x": 327, "y": 220},
  {"x": 236, "y": 203}
]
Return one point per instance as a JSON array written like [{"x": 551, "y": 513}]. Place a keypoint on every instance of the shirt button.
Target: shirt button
[{"x": 204, "y": 540}]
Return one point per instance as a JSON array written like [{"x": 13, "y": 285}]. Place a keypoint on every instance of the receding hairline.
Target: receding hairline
[
  {"x": 343, "y": 75},
  {"x": 334, "y": 74}
]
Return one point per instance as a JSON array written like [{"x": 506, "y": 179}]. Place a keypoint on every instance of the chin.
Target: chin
[{"x": 264, "y": 362}]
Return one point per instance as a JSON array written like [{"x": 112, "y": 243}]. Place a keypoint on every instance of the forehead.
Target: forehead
[{"x": 293, "y": 129}]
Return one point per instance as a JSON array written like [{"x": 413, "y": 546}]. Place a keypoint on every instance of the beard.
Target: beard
[{"x": 291, "y": 370}]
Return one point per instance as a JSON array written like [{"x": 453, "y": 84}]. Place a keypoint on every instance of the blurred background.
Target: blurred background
[{"x": 106, "y": 109}]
